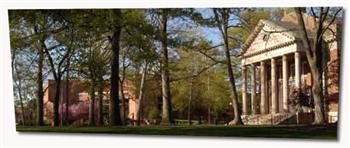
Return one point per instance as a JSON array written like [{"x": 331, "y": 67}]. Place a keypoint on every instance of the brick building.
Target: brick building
[{"x": 79, "y": 100}]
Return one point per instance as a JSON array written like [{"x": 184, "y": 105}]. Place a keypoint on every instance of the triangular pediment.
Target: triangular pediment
[{"x": 267, "y": 35}]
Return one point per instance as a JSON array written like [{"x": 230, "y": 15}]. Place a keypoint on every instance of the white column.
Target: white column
[
  {"x": 285, "y": 83},
  {"x": 297, "y": 70},
  {"x": 263, "y": 88},
  {"x": 244, "y": 91},
  {"x": 253, "y": 85},
  {"x": 274, "y": 103}
]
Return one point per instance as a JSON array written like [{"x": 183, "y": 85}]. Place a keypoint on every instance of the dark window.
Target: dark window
[{"x": 265, "y": 37}]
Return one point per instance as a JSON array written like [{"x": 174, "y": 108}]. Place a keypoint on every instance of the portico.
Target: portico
[{"x": 274, "y": 56}]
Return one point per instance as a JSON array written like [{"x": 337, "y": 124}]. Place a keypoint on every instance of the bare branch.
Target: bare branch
[
  {"x": 197, "y": 74},
  {"x": 210, "y": 57},
  {"x": 314, "y": 15},
  {"x": 331, "y": 22},
  {"x": 52, "y": 65}
]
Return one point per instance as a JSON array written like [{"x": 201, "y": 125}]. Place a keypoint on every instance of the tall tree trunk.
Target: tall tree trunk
[
  {"x": 100, "y": 102},
  {"x": 57, "y": 75},
  {"x": 19, "y": 89},
  {"x": 40, "y": 93},
  {"x": 14, "y": 69},
  {"x": 123, "y": 100},
  {"x": 56, "y": 102},
  {"x": 122, "y": 90},
  {"x": 139, "y": 109},
  {"x": 189, "y": 111},
  {"x": 167, "y": 117},
  {"x": 66, "y": 117},
  {"x": 311, "y": 54},
  {"x": 22, "y": 106},
  {"x": 237, "y": 112},
  {"x": 114, "y": 109},
  {"x": 92, "y": 104},
  {"x": 210, "y": 95},
  {"x": 317, "y": 95}
]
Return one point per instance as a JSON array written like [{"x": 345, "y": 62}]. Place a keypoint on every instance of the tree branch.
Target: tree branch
[
  {"x": 195, "y": 75},
  {"x": 331, "y": 22}
]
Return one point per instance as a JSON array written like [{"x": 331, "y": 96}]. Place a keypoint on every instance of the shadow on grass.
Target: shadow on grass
[{"x": 280, "y": 131}]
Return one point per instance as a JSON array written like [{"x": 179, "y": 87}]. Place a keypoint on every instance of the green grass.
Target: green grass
[{"x": 280, "y": 131}]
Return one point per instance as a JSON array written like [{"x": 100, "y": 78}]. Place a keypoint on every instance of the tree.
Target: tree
[
  {"x": 18, "y": 85},
  {"x": 167, "y": 110},
  {"x": 222, "y": 17},
  {"x": 57, "y": 72},
  {"x": 315, "y": 52},
  {"x": 40, "y": 91},
  {"x": 58, "y": 48},
  {"x": 122, "y": 82},
  {"x": 94, "y": 64},
  {"x": 139, "y": 41},
  {"x": 163, "y": 17},
  {"x": 116, "y": 29}
]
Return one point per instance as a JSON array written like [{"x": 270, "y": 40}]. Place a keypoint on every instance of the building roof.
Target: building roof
[{"x": 288, "y": 28}]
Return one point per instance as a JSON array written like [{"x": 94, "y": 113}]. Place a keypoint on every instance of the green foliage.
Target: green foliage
[
  {"x": 154, "y": 114},
  {"x": 251, "y": 18}
]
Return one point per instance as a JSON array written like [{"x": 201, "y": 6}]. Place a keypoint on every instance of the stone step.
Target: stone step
[{"x": 267, "y": 119}]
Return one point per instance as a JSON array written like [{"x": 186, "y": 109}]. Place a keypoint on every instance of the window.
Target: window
[{"x": 265, "y": 37}]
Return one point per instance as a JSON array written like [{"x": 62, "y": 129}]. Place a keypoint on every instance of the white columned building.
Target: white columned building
[
  {"x": 273, "y": 59},
  {"x": 273, "y": 53}
]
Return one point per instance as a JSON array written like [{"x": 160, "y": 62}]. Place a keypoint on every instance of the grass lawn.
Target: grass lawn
[{"x": 279, "y": 131}]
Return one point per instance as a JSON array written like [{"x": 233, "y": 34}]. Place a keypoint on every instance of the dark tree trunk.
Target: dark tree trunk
[
  {"x": 56, "y": 103},
  {"x": 66, "y": 116},
  {"x": 123, "y": 100},
  {"x": 167, "y": 105},
  {"x": 40, "y": 93},
  {"x": 114, "y": 109},
  {"x": 122, "y": 91},
  {"x": 209, "y": 116},
  {"x": 92, "y": 104},
  {"x": 100, "y": 103},
  {"x": 57, "y": 75}
]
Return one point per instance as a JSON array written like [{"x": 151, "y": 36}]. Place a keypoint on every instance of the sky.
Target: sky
[{"x": 212, "y": 34}]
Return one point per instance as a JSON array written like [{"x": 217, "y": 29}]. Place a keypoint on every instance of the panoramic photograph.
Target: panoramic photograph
[{"x": 217, "y": 72}]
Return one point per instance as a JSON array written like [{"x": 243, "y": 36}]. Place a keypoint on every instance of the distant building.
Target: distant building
[
  {"x": 79, "y": 100},
  {"x": 274, "y": 58}
]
